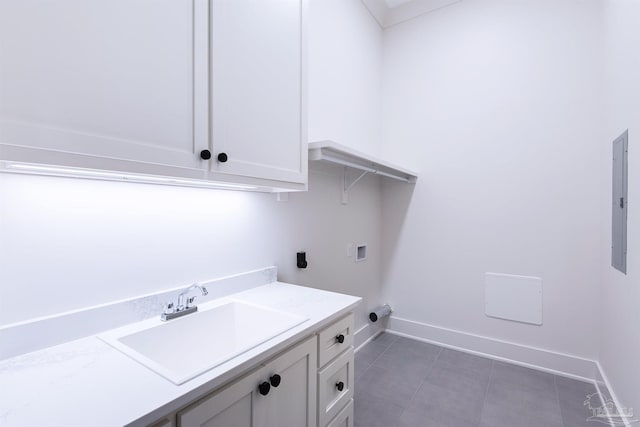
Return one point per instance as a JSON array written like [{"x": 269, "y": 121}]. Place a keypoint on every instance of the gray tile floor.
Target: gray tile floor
[{"x": 406, "y": 383}]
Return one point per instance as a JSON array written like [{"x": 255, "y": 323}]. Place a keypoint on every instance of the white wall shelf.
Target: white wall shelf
[{"x": 332, "y": 152}]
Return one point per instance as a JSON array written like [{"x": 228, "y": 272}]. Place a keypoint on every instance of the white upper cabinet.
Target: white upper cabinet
[
  {"x": 257, "y": 88},
  {"x": 144, "y": 86},
  {"x": 114, "y": 79}
]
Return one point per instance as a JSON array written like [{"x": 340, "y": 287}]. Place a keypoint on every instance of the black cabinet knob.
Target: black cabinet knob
[
  {"x": 222, "y": 157},
  {"x": 205, "y": 154},
  {"x": 340, "y": 338},
  {"x": 340, "y": 385},
  {"x": 264, "y": 388},
  {"x": 275, "y": 380}
]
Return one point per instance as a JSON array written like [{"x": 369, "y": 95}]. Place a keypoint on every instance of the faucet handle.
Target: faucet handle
[
  {"x": 190, "y": 301},
  {"x": 168, "y": 308}
]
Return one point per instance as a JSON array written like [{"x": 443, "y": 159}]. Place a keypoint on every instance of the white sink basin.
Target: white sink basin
[{"x": 183, "y": 348}]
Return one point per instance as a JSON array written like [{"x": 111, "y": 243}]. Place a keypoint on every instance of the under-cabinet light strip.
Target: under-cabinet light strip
[
  {"x": 347, "y": 163},
  {"x": 86, "y": 173}
]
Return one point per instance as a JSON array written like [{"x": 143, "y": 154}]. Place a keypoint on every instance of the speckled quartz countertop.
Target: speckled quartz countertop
[{"x": 86, "y": 382}]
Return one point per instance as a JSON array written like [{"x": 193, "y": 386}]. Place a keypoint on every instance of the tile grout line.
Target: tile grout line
[
  {"x": 376, "y": 358},
  {"x": 555, "y": 387},
  {"x": 425, "y": 379},
  {"x": 408, "y": 403},
  {"x": 486, "y": 393},
  {"x": 421, "y": 384},
  {"x": 369, "y": 365},
  {"x": 382, "y": 352},
  {"x": 363, "y": 372}
]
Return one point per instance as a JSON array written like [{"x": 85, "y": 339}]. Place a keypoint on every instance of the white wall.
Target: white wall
[
  {"x": 620, "y": 298},
  {"x": 71, "y": 243},
  {"x": 496, "y": 104},
  {"x": 67, "y": 244},
  {"x": 345, "y": 75}
]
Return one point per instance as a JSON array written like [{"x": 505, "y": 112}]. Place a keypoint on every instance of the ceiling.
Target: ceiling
[{"x": 391, "y": 12}]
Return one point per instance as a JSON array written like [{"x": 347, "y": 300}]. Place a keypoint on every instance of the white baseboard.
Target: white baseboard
[
  {"x": 536, "y": 358},
  {"x": 603, "y": 380},
  {"x": 557, "y": 363}
]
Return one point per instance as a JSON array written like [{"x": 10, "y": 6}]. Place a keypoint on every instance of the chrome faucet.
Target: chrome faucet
[{"x": 185, "y": 303}]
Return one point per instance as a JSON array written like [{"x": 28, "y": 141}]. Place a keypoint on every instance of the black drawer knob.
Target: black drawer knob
[
  {"x": 264, "y": 388},
  {"x": 275, "y": 380},
  {"x": 340, "y": 385},
  {"x": 340, "y": 338},
  {"x": 205, "y": 154},
  {"x": 222, "y": 157}
]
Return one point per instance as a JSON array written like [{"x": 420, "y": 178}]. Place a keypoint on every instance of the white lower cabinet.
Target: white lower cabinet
[
  {"x": 165, "y": 422},
  {"x": 309, "y": 385},
  {"x": 335, "y": 339},
  {"x": 233, "y": 406},
  {"x": 280, "y": 393},
  {"x": 293, "y": 401},
  {"x": 335, "y": 386},
  {"x": 344, "y": 418},
  {"x": 336, "y": 374}
]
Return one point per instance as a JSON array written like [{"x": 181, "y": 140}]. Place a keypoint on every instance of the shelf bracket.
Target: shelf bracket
[{"x": 346, "y": 186}]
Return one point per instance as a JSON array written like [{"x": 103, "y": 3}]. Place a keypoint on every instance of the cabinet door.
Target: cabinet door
[
  {"x": 234, "y": 406},
  {"x": 258, "y": 88},
  {"x": 293, "y": 402},
  {"x": 117, "y": 79}
]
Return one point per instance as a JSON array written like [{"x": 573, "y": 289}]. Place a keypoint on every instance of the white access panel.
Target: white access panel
[{"x": 513, "y": 297}]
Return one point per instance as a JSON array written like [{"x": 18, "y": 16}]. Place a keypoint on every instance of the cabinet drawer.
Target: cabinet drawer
[
  {"x": 329, "y": 345},
  {"x": 344, "y": 418},
  {"x": 335, "y": 384}
]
